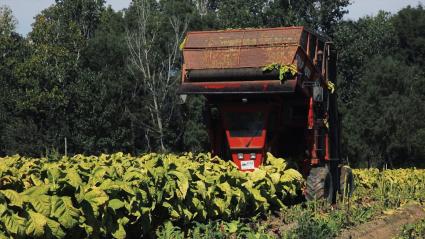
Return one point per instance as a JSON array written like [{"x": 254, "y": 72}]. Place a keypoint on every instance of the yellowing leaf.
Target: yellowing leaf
[
  {"x": 116, "y": 204},
  {"x": 15, "y": 199},
  {"x": 291, "y": 175},
  {"x": 64, "y": 211},
  {"x": 181, "y": 46},
  {"x": 257, "y": 175},
  {"x": 95, "y": 196},
  {"x": 55, "y": 228},
  {"x": 331, "y": 86},
  {"x": 182, "y": 183},
  {"x": 36, "y": 224},
  {"x": 14, "y": 223},
  {"x": 41, "y": 204},
  {"x": 73, "y": 178}
]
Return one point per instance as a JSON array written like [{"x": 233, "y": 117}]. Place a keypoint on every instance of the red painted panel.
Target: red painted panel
[{"x": 250, "y": 143}]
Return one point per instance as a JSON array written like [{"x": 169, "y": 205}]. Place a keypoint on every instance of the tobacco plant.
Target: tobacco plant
[{"x": 123, "y": 196}]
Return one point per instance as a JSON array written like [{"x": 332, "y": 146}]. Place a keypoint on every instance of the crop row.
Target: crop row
[
  {"x": 377, "y": 193},
  {"x": 392, "y": 187},
  {"x": 121, "y": 196}
]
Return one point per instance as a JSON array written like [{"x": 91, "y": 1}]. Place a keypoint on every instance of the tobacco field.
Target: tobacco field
[
  {"x": 112, "y": 195},
  {"x": 167, "y": 195}
]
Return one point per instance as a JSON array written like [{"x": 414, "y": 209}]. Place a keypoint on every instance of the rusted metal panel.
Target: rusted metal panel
[
  {"x": 238, "y": 57},
  {"x": 230, "y": 58},
  {"x": 241, "y": 48},
  {"x": 243, "y": 37}
]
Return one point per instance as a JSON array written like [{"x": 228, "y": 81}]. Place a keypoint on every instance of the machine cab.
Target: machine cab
[{"x": 245, "y": 130}]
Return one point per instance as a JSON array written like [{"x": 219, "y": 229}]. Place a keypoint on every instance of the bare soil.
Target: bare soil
[{"x": 387, "y": 226}]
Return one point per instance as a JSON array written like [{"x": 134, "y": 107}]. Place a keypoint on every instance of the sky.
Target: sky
[{"x": 26, "y": 10}]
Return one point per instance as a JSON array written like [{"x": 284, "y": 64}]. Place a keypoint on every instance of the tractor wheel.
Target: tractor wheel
[
  {"x": 346, "y": 181},
  {"x": 319, "y": 184}
]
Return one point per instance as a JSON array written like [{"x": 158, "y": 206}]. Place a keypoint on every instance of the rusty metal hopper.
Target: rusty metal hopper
[{"x": 231, "y": 61}]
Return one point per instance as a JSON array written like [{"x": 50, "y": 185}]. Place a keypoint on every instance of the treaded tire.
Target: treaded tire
[
  {"x": 319, "y": 184},
  {"x": 346, "y": 181}
]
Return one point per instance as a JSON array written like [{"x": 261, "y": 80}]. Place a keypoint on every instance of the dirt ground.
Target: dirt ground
[{"x": 387, "y": 226}]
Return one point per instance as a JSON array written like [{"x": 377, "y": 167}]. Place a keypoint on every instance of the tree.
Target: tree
[
  {"x": 322, "y": 15},
  {"x": 378, "y": 85},
  {"x": 46, "y": 77},
  {"x": 410, "y": 30},
  {"x": 195, "y": 136},
  {"x": 357, "y": 42},
  {"x": 106, "y": 90},
  {"x": 84, "y": 13},
  {"x": 155, "y": 73},
  {"x": 385, "y": 124},
  {"x": 7, "y": 21},
  {"x": 240, "y": 14},
  {"x": 13, "y": 50}
]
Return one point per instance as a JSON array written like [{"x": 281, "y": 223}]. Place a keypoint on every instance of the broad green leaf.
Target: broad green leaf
[
  {"x": 129, "y": 176},
  {"x": 220, "y": 203},
  {"x": 95, "y": 196},
  {"x": 275, "y": 177},
  {"x": 35, "y": 180},
  {"x": 120, "y": 233},
  {"x": 225, "y": 187},
  {"x": 53, "y": 171},
  {"x": 276, "y": 162},
  {"x": 171, "y": 210},
  {"x": 15, "y": 199},
  {"x": 116, "y": 204},
  {"x": 107, "y": 184},
  {"x": 41, "y": 203},
  {"x": 188, "y": 214},
  {"x": 14, "y": 223},
  {"x": 55, "y": 228},
  {"x": 256, "y": 193},
  {"x": 36, "y": 190},
  {"x": 99, "y": 172},
  {"x": 201, "y": 189},
  {"x": 3, "y": 209},
  {"x": 73, "y": 178},
  {"x": 291, "y": 175},
  {"x": 182, "y": 183},
  {"x": 198, "y": 204},
  {"x": 3, "y": 236},
  {"x": 232, "y": 227},
  {"x": 257, "y": 175},
  {"x": 64, "y": 211},
  {"x": 36, "y": 224}
]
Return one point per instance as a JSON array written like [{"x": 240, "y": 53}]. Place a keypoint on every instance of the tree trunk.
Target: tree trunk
[{"x": 159, "y": 124}]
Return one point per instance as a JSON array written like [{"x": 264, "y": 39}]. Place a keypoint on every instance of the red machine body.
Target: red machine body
[
  {"x": 245, "y": 129},
  {"x": 251, "y": 111}
]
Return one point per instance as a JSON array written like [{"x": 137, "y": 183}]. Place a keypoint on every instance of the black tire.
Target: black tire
[
  {"x": 346, "y": 182},
  {"x": 319, "y": 185}
]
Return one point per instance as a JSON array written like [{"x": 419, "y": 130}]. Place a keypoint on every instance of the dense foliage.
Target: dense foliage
[
  {"x": 72, "y": 85},
  {"x": 377, "y": 194},
  {"x": 72, "y": 77},
  {"x": 186, "y": 196},
  {"x": 380, "y": 93},
  {"x": 122, "y": 196}
]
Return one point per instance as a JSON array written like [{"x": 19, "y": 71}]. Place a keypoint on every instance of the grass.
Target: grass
[{"x": 413, "y": 231}]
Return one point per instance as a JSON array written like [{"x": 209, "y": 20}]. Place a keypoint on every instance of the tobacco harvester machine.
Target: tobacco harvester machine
[{"x": 270, "y": 90}]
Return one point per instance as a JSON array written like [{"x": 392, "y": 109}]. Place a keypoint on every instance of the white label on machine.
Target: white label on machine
[{"x": 248, "y": 164}]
